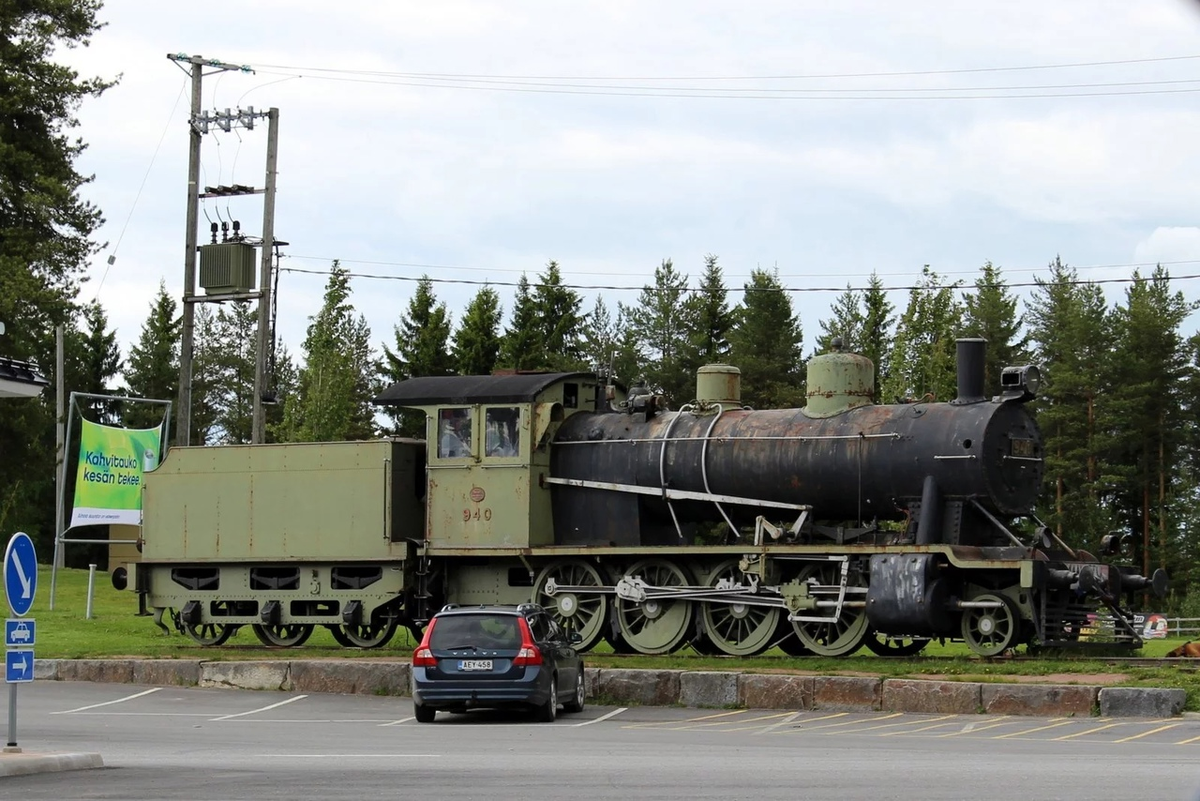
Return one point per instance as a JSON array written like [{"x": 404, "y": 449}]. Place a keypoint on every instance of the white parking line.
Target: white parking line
[
  {"x": 345, "y": 756},
  {"x": 612, "y": 714},
  {"x": 397, "y": 722},
  {"x": 778, "y": 725},
  {"x": 262, "y": 709},
  {"x": 108, "y": 703}
]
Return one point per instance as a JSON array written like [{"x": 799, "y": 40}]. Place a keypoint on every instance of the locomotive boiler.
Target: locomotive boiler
[{"x": 733, "y": 530}]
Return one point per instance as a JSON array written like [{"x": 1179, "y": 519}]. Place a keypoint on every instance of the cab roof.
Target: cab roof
[{"x": 435, "y": 390}]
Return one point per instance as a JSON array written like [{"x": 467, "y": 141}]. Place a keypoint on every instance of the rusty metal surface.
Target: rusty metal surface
[{"x": 863, "y": 464}]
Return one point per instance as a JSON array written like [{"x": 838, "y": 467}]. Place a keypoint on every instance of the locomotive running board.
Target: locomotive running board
[{"x": 669, "y": 494}]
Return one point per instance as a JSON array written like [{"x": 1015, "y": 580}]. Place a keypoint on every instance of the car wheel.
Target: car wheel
[
  {"x": 425, "y": 714},
  {"x": 576, "y": 702},
  {"x": 548, "y": 711}
]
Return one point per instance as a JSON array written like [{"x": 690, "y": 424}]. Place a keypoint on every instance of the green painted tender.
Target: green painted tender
[{"x": 283, "y": 537}]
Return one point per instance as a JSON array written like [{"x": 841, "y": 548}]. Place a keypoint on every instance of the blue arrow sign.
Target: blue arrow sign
[
  {"x": 19, "y": 633},
  {"x": 20, "y": 573},
  {"x": 18, "y": 666}
]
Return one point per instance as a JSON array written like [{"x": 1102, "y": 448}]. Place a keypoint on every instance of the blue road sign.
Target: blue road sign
[
  {"x": 18, "y": 666},
  {"x": 19, "y": 633},
  {"x": 20, "y": 573}
]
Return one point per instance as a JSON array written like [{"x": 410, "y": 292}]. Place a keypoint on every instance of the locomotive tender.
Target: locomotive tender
[{"x": 817, "y": 529}]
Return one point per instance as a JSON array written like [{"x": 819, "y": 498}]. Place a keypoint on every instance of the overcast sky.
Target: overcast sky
[{"x": 827, "y": 140}]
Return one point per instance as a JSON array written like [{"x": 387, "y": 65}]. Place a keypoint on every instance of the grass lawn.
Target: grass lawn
[{"x": 116, "y": 630}]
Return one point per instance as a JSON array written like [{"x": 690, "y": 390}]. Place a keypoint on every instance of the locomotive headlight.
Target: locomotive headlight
[{"x": 1020, "y": 383}]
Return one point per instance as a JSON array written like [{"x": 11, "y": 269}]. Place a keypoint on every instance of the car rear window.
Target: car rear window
[{"x": 482, "y": 631}]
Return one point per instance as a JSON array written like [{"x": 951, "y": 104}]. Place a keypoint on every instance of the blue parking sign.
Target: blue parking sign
[
  {"x": 19, "y": 633},
  {"x": 20, "y": 573}
]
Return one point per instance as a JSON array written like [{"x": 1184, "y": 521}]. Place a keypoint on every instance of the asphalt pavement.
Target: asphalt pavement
[{"x": 201, "y": 744}]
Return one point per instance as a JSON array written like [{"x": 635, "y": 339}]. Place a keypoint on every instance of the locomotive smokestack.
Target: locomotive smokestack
[{"x": 970, "y": 370}]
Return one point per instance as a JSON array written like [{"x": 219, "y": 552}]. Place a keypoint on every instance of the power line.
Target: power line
[
  {"x": 904, "y": 74},
  {"x": 847, "y": 94},
  {"x": 838, "y": 273},
  {"x": 618, "y": 288}
]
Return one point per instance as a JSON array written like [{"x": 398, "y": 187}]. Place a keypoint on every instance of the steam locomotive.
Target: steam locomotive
[{"x": 817, "y": 530}]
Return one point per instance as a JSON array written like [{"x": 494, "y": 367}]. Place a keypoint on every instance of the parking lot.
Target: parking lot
[{"x": 170, "y": 742}]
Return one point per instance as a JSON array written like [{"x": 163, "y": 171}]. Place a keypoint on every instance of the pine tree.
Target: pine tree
[
  {"x": 477, "y": 341},
  {"x": 46, "y": 230},
  {"x": 522, "y": 347},
  {"x": 337, "y": 381},
  {"x": 206, "y": 378},
  {"x": 1150, "y": 368},
  {"x": 421, "y": 341},
  {"x": 152, "y": 369},
  {"x": 559, "y": 321},
  {"x": 1071, "y": 327},
  {"x": 991, "y": 313},
  {"x": 766, "y": 344},
  {"x": 235, "y": 331},
  {"x": 665, "y": 325},
  {"x": 924, "y": 351}
]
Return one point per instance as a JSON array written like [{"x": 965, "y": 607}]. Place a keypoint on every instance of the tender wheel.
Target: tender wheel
[
  {"x": 840, "y": 637},
  {"x": 582, "y": 613},
  {"x": 887, "y": 645},
  {"x": 340, "y": 638},
  {"x": 547, "y": 712},
  {"x": 424, "y": 714},
  {"x": 283, "y": 635},
  {"x": 577, "y": 700},
  {"x": 375, "y": 634},
  {"x": 989, "y": 632},
  {"x": 737, "y": 629},
  {"x": 657, "y": 625},
  {"x": 210, "y": 634}
]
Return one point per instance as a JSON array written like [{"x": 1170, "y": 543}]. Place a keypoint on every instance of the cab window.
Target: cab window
[
  {"x": 502, "y": 432},
  {"x": 454, "y": 433}
]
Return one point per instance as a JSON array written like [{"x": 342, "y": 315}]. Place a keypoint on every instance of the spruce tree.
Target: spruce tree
[
  {"x": 599, "y": 338},
  {"x": 991, "y": 312},
  {"x": 877, "y": 325},
  {"x": 522, "y": 346},
  {"x": 337, "y": 382},
  {"x": 766, "y": 344},
  {"x": 421, "y": 349},
  {"x": 845, "y": 323},
  {"x": 559, "y": 321},
  {"x": 152, "y": 369},
  {"x": 477, "y": 340}
]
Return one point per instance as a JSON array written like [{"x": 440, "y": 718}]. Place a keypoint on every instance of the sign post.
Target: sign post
[{"x": 20, "y": 583}]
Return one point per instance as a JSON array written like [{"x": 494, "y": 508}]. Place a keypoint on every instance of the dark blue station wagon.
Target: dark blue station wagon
[{"x": 495, "y": 657}]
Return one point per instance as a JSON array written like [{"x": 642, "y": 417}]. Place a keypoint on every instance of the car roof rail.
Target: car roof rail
[
  {"x": 529, "y": 607},
  {"x": 448, "y": 607}
]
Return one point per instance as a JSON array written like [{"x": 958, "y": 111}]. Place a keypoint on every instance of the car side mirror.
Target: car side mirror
[{"x": 574, "y": 637}]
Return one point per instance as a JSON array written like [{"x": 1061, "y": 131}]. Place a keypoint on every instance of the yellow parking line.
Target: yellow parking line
[
  {"x": 1185, "y": 742},
  {"x": 971, "y": 728},
  {"x": 720, "y": 715},
  {"x": 890, "y": 725},
  {"x": 923, "y": 728},
  {"x": 1148, "y": 733},
  {"x": 1031, "y": 731},
  {"x": 1089, "y": 731},
  {"x": 764, "y": 717},
  {"x": 803, "y": 728}
]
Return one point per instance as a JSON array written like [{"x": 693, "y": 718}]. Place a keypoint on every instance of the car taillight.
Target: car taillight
[
  {"x": 529, "y": 654},
  {"x": 423, "y": 656}
]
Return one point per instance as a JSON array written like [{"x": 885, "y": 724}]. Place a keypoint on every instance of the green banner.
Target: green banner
[{"x": 108, "y": 486}]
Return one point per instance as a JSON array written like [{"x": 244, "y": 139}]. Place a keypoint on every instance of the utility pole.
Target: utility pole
[
  {"x": 183, "y": 413},
  {"x": 258, "y": 424}
]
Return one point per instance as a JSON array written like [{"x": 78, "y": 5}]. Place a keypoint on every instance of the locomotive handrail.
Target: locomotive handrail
[
  {"x": 662, "y": 474},
  {"x": 969, "y": 456},
  {"x": 675, "y": 494},
  {"x": 704, "y": 469},
  {"x": 632, "y": 440}
]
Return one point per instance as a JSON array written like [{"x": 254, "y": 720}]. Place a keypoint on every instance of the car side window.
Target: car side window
[{"x": 556, "y": 634}]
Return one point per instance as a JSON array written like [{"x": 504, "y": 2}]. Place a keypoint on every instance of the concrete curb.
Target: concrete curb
[
  {"x": 711, "y": 689},
  {"x": 25, "y": 764}
]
